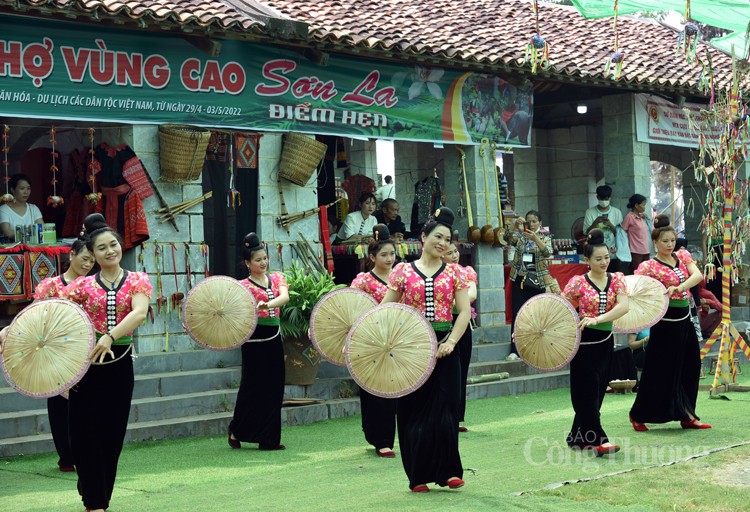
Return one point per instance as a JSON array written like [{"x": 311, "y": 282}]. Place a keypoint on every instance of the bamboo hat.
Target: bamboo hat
[
  {"x": 333, "y": 317},
  {"x": 647, "y": 301},
  {"x": 219, "y": 313},
  {"x": 391, "y": 350},
  {"x": 546, "y": 332},
  {"x": 47, "y": 348}
]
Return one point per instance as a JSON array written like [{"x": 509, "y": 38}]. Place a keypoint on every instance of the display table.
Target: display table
[
  {"x": 22, "y": 267},
  {"x": 562, "y": 272}
]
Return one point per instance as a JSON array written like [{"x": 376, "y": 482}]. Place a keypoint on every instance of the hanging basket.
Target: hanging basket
[
  {"x": 300, "y": 156},
  {"x": 182, "y": 150}
]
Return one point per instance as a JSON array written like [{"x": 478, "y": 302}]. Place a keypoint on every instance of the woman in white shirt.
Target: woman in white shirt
[
  {"x": 361, "y": 222},
  {"x": 19, "y": 212}
]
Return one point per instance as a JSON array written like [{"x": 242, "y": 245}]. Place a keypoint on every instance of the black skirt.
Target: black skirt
[
  {"x": 464, "y": 346},
  {"x": 378, "y": 419},
  {"x": 257, "y": 413},
  {"x": 668, "y": 389},
  {"x": 428, "y": 425},
  {"x": 589, "y": 376},
  {"x": 99, "y": 406}
]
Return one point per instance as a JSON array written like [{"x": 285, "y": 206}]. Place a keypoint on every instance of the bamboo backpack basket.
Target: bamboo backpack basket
[
  {"x": 300, "y": 156},
  {"x": 182, "y": 151}
]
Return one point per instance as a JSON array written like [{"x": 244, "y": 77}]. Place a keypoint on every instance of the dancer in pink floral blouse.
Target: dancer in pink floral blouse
[
  {"x": 601, "y": 297},
  {"x": 117, "y": 301},
  {"x": 668, "y": 388},
  {"x": 378, "y": 414},
  {"x": 428, "y": 417}
]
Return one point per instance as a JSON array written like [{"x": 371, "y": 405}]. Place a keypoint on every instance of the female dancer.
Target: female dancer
[
  {"x": 257, "y": 414},
  {"x": 529, "y": 272},
  {"x": 428, "y": 417},
  {"x": 668, "y": 388},
  {"x": 378, "y": 414},
  {"x": 80, "y": 263},
  {"x": 464, "y": 344},
  {"x": 602, "y": 298},
  {"x": 117, "y": 302}
]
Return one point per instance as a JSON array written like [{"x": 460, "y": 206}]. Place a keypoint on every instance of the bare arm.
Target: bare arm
[
  {"x": 279, "y": 301},
  {"x": 392, "y": 296},
  {"x": 462, "y": 322},
  {"x": 613, "y": 314},
  {"x": 128, "y": 324}
]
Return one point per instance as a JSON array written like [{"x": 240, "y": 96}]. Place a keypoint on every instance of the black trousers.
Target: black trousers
[
  {"x": 589, "y": 376},
  {"x": 99, "y": 408},
  {"x": 378, "y": 419},
  {"x": 57, "y": 411},
  {"x": 428, "y": 425},
  {"x": 464, "y": 354}
]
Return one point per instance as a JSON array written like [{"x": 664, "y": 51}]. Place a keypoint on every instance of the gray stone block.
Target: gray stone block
[
  {"x": 197, "y": 235},
  {"x": 343, "y": 408},
  {"x": 21, "y": 424},
  {"x": 304, "y": 414}
]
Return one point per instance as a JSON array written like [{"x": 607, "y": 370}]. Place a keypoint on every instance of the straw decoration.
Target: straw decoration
[
  {"x": 7, "y": 197},
  {"x": 537, "y": 51},
  {"x": 54, "y": 200},
  {"x": 94, "y": 197},
  {"x": 613, "y": 64}
]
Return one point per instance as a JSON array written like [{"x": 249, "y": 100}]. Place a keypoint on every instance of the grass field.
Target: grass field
[{"x": 514, "y": 457}]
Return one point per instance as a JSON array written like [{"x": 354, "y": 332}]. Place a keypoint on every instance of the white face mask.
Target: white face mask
[{"x": 604, "y": 204}]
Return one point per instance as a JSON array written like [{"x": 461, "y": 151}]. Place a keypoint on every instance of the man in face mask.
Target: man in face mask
[{"x": 607, "y": 218}]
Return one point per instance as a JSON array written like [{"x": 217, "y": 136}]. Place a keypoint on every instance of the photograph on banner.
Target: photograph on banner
[{"x": 76, "y": 72}]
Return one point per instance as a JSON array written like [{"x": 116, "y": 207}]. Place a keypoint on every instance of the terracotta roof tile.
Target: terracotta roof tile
[{"x": 496, "y": 32}]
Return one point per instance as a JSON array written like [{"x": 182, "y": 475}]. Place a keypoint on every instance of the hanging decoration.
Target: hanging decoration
[
  {"x": 726, "y": 222},
  {"x": 233, "y": 195},
  {"x": 7, "y": 197},
  {"x": 54, "y": 200},
  {"x": 93, "y": 197},
  {"x": 613, "y": 64},
  {"x": 537, "y": 51},
  {"x": 687, "y": 41}
]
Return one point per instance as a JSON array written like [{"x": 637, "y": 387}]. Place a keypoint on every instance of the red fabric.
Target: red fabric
[
  {"x": 47, "y": 249},
  {"x": 135, "y": 175},
  {"x": 355, "y": 186},
  {"x": 709, "y": 297},
  {"x": 563, "y": 274}
]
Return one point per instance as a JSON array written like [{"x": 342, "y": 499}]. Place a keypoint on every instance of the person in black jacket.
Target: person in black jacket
[{"x": 389, "y": 216}]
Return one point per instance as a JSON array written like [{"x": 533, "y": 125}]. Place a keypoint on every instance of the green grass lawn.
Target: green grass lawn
[{"x": 513, "y": 456}]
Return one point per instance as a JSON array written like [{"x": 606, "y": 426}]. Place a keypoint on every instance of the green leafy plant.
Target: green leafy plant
[{"x": 305, "y": 290}]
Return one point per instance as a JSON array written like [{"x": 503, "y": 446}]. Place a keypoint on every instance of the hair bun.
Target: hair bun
[
  {"x": 94, "y": 222},
  {"x": 251, "y": 240},
  {"x": 595, "y": 237},
  {"x": 380, "y": 232},
  {"x": 661, "y": 221},
  {"x": 444, "y": 216}
]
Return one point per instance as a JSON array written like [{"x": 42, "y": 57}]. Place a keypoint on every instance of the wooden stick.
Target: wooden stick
[{"x": 184, "y": 206}]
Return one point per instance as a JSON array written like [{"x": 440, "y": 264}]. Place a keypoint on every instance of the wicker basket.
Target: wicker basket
[
  {"x": 182, "y": 150},
  {"x": 300, "y": 156}
]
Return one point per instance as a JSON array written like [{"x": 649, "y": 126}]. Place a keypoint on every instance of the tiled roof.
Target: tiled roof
[
  {"x": 185, "y": 13},
  {"x": 494, "y": 34},
  {"x": 480, "y": 34}
]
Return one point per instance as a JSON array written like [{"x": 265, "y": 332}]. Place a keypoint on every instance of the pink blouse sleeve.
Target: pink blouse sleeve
[
  {"x": 644, "y": 269},
  {"x": 471, "y": 275},
  {"x": 46, "y": 289},
  {"x": 280, "y": 281},
  {"x": 572, "y": 291},
  {"x": 619, "y": 286},
  {"x": 359, "y": 282},
  {"x": 397, "y": 279},
  {"x": 459, "y": 277},
  {"x": 685, "y": 257},
  {"x": 140, "y": 283},
  {"x": 76, "y": 291}
]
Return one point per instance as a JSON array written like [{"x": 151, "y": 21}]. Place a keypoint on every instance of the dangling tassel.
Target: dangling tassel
[
  {"x": 233, "y": 195},
  {"x": 537, "y": 51},
  {"x": 6, "y": 198},
  {"x": 54, "y": 200}
]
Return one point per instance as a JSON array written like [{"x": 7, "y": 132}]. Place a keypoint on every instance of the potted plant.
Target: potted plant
[{"x": 306, "y": 287}]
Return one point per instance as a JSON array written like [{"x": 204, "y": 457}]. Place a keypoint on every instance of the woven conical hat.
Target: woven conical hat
[
  {"x": 546, "y": 332},
  {"x": 219, "y": 313},
  {"x": 333, "y": 317},
  {"x": 47, "y": 348},
  {"x": 647, "y": 301},
  {"x": 391, "y": 350}
]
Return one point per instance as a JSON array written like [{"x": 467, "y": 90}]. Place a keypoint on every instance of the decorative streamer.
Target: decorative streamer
[
  {"x": 7, "y": 197},
  {"x": 613, "y": 64},
  {"x": 94, "y": 197},
  {"x": 233, "y": 195},
  {"x": 687, "y": 41},
  {"x": 54, "y": 200},
  {"x": 537, "y": 51}
]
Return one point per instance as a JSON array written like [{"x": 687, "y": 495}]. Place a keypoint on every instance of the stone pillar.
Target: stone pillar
[{"x": 627, "y": 165}]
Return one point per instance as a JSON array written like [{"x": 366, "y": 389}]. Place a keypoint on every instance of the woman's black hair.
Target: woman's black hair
[
  {"x": 13, "y": 183},
  {"x": 365, "y": 196},
  {"x": 250, "y": 245},
  {"x": 381, "y": 239},
  {"x": 594, "y": 240},
  {"x": 93, "y": 226},
  {"x": 535, "y": 214},
  {"x": 443, "y": 216},
  {"x": 75, "y": 248},
  {"x": 634, "y": 200},
  {"x": 662, "y": 225}
]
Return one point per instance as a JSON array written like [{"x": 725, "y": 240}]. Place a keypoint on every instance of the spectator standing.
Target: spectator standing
[
  {"x": 606, "y": 217},
  {"x": 636, "y": 224},
  {"x": 387, "y": 191}
]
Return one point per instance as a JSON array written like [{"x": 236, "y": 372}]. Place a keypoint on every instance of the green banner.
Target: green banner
[{"x": 55, "y": 70}]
